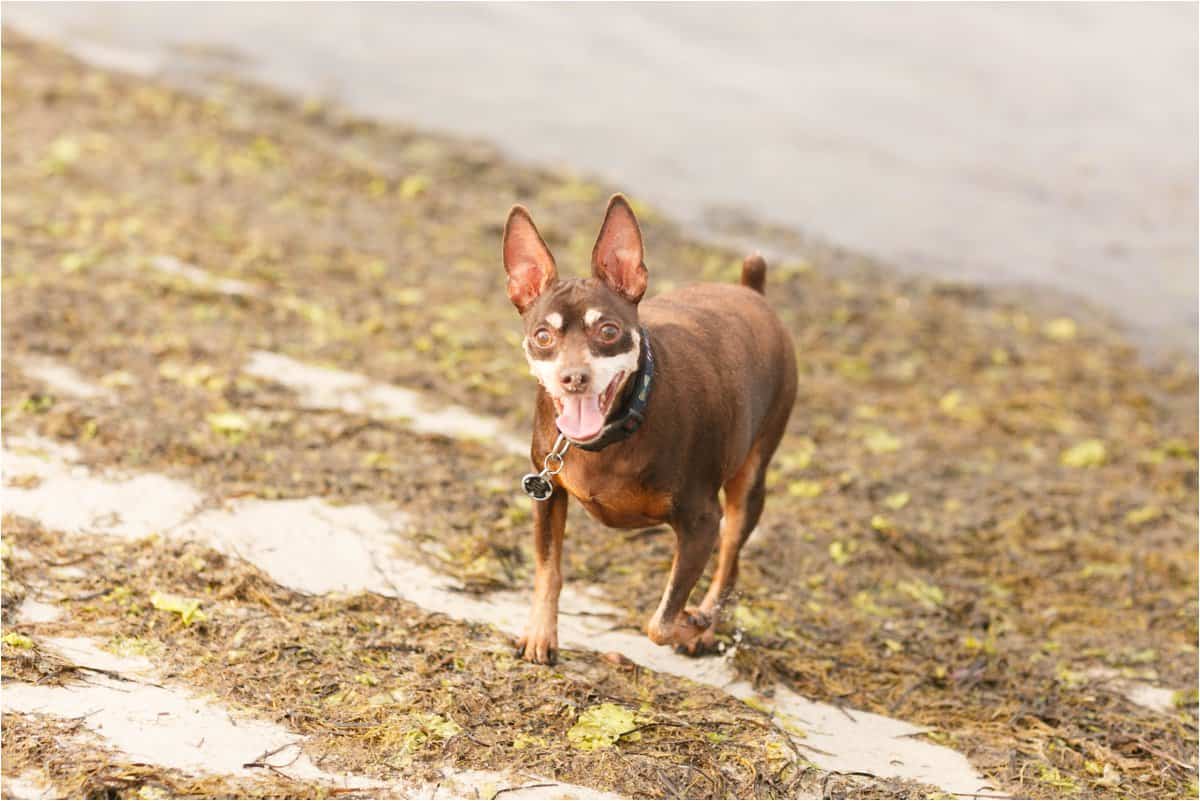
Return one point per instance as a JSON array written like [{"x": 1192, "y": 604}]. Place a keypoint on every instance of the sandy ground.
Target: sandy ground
[{"x": 263, "y": 398}]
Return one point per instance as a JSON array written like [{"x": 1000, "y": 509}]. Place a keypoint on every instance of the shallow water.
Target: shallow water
[{"x": 1053, "y": 145}]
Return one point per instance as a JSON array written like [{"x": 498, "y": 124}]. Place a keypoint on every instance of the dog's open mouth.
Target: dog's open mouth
[{"x": 581, "y": 417}]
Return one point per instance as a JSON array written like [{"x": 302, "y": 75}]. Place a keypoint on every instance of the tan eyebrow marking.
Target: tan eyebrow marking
[
  {"x": 592, "y": 316},
  {"x": 555, "y": 319}
]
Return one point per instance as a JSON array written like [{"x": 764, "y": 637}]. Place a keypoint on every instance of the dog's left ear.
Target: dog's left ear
[{"x": 617, "y": 255}]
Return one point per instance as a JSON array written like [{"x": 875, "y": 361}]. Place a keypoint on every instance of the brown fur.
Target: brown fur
[{"x": 724, "y": 387}]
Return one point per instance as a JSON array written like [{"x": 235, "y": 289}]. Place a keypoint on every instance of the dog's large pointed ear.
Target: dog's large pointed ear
[
  {"x": 527, "y": 260},
  {"x": 617, "y": 255}
]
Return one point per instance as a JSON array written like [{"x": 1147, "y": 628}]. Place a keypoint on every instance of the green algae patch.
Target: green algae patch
[
  {"x": 16, "y": 640},
  {"x": 602, "y": 726},
  {"x": 188, "y": 609},
  {"x": 1089, "y": 453}
]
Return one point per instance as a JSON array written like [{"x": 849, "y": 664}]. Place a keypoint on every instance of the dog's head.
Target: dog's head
[{"x": 581, "y": 334}]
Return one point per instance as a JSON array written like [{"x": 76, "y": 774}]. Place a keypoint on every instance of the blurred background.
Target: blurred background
[{"x": 1052, "y": 145}]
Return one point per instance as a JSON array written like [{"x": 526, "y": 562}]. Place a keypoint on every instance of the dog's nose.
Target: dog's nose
[{"x": 575, "y": 379}]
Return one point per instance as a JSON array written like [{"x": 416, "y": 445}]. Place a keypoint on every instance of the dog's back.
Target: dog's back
[{"x": 724, "y": 343}]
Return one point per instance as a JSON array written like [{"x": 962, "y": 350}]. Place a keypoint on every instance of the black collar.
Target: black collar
[{"x": 625, "y": 424}]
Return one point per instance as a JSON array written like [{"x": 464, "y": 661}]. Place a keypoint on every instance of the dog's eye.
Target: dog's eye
[
  {"x": 543, "y": 338},
  {"x": 609, "y": 332}
]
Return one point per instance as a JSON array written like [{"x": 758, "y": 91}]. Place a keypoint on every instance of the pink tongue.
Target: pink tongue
[{"x": 580, "y": 418}]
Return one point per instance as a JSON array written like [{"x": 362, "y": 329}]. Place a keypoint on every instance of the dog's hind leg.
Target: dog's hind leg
[
  {"x": 695, "y": 537},
  {"x": 745, "y": 496}
]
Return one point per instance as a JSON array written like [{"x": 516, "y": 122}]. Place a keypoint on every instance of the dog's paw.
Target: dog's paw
[
  {"x": 539, "y": 647},
  {"x": 699, "y": 631},
  {"x": 691, "y": 632}
]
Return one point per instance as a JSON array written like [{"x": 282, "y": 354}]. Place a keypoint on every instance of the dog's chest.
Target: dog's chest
[{"x": 613, "y": 499}]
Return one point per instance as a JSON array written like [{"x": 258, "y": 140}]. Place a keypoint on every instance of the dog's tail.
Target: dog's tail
[{"x": 754, "y": 273}]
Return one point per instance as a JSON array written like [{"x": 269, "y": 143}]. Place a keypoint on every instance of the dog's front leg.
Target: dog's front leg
[
  {"x": 540, "y": 643},
  {"x": 695, "y": 537}
]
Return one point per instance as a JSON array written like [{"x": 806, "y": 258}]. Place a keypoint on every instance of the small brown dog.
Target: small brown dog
[{"x": 665, "y": 404}]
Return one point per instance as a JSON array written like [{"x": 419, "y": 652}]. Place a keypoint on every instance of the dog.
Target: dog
[{"x": 644, "y": 412}]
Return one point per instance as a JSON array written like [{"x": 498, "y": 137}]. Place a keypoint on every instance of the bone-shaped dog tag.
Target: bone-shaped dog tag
[{"x": 537, "y": 486}]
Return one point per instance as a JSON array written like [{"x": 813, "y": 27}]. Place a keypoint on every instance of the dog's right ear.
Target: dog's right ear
[{"x": 527, "y": 260}]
